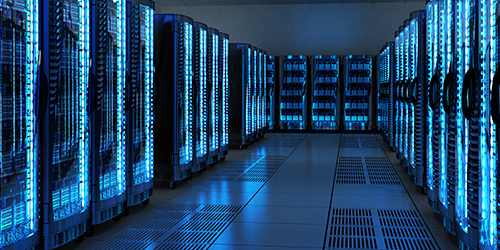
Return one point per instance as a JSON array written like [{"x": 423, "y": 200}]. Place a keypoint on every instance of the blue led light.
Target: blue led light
[
  {"x": 202, "y": 95},
  {"x": 143, "y": 133},
  {"x": 431, "y": 55},
  {"x": 494, "y": 212},
  {"x": 445, "y": 53},
  {"x": 214, "y": 121},
  {"x": 186, "y": 146},
  {"x": 225, "y": 92},
  {"x": 112, "y": 142},
  {"x": 254, "y": 93},
  {"x": 461, "y": 197},
  {"x": 248, "y": 89},
  {"x": 459, "y": 19}
]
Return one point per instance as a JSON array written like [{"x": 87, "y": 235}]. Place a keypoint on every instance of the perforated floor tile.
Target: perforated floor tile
[
  {"x": 259, "y": 170},
  {"x": 366, "y": 170},
  {"x": 377, "y": 229}
]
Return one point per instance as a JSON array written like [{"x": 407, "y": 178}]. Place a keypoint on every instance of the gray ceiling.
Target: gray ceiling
[{"x": 254, "y": 2}]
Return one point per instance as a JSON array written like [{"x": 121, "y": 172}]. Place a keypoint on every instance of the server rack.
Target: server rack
[
  {"x": 325, "y": 87},
  {"x": 487, "y": 58},
  {"x": 240, "y": 95},
  {"x": 200, "y": 94},
  {"x": 293, "y": 93},
  {"x": 139, "y": 105},
  {"x": 19, "y": 169},
  {"x": 213, "y": 95},
  {"x": 358, "y": 80},
  {"x": 386, "y": 72},
  {"x": 270, "y": 86},
  {"x": 447, "y": 170},
  {"x": 435, "y": 124},
  {"x": 64, "y": 121},
  {"x": 224, "y": 92},
  {"x": 107, "y": 129},
  {"x": 416, "y": 96},
  {"x": 173, "y": 127},
  {"x": 476, "y": 195}
]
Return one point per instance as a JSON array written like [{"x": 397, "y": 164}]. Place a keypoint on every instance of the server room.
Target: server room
[{"x": 250, "y": 124}]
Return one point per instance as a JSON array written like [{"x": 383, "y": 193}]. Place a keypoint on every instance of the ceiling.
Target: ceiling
[{"x": 255, "y": 2}]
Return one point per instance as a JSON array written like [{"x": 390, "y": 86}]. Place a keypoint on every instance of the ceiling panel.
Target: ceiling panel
[
  {"x": 230, "y": 2},
  {"x": 292, "y": 1},
  {"x": 357, "y": 1},
  {"x": 170, "y": 3},
  {"x": 198, "y": 2},
  {"x": 262, "y": 1},
  {"x": 253, "y": 2},
  {"x": 325, "y": 1}
]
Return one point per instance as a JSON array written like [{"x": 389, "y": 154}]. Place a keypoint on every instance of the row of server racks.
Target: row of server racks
[
  {"x": 321, "y": 93},
  {"x": 439, "y": 109},
  {"x": 76, "y": 111},
  {"x": 191, "y": 97},
  {"x": 251, "y": 88}
]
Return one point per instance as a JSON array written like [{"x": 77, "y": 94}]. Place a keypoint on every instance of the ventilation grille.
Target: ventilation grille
[
  {"x": 351, "y": 229},
  {"x": 377, "y": 229},
  {"x": 278, "y": 141},
  {"x": 359, "y": 142},
  {"x": 201, "y": 230},
  {"x": 175, "y": 226},
  {"x": 249, "y": 170},
  {"x": 119, "y": 245},
  {"x": 366, "y": 170}
]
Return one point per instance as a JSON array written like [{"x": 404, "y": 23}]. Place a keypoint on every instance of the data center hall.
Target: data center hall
[{"x": 250, "y": 124}]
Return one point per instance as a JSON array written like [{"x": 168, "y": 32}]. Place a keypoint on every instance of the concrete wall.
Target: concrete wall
[{"x": 310, "y": 29}]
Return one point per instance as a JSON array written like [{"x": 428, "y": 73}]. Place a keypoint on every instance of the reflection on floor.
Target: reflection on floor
[{"x": 286, "y": 191}]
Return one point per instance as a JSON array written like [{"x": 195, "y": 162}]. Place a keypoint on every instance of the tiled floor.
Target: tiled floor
[{"x": 286, "y": 191}]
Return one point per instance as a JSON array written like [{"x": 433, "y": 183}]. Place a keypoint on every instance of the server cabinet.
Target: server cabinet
[
  {"x": 293, "y": 93},
  {"x": 240, "y": 95},
  {"x": 358, "y": 80},
  {"x": 107, "y": 129},
  {"x": 416, "y": 96},
  {"x": 19, "y": 134},
  {"x": 448, "y": 87},
  {"x": 139, "y": 103},
  {"x": 64, "y": 121},
  {"x": 224, "y": 94},
  {"x": 270, "y": 87},
  {"x": 213, "y": 95},
  {"x": 437, "y": 64},
  {"x": 477, "y": 216},
  {"x": 200, "y": 95},
  {"x": 386, "y": 75},
  {"x": 173, "y": 127},
  {"x": 325, "y": 87}
]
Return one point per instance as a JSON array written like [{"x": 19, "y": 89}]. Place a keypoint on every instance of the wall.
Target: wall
[{"x": 310, "y": 29}]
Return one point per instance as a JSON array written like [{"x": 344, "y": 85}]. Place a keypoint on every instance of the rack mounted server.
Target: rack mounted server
[{"x": 173, "y": 128}]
